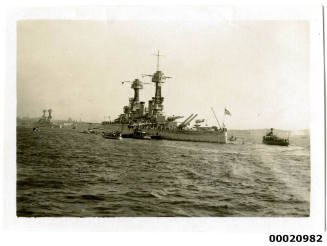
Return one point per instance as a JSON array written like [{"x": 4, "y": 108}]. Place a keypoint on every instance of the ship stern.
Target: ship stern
[{"x": 222, "y": 137}]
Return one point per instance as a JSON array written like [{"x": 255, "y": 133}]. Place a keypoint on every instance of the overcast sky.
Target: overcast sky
[{"x": 259, "y": 70}]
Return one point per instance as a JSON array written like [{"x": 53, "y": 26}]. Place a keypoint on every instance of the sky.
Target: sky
[{"x": 258, "y": 70}]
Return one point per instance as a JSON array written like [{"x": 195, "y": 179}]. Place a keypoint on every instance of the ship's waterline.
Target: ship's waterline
[{"x": 174, "y": 134}]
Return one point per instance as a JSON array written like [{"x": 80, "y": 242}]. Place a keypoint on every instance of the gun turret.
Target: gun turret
[{"x": 199, "y": 121}]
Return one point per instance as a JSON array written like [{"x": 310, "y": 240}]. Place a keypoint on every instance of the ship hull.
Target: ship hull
[
  {"x": 46, "y": 125},
  {"x": 280, "y": 143},
  {"x": 177, "y": 135},
  {"x": 192, "y": 136},
  {"x": 275, "y": 141}
]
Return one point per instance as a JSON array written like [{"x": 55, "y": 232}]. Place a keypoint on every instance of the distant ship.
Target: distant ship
[
  {"x": 45, "y": 121},
  {"x": 272, "y": 139},
  {"x": 151, "y": 119}
]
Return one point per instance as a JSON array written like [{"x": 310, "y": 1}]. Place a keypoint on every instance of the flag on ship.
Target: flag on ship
[{"x": 227, "y": 112}]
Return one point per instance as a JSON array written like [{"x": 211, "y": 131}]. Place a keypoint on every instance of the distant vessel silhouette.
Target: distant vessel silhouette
[{"x": 45, "y": 121}]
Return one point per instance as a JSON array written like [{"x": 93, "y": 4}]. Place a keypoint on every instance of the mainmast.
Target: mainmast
[
  {"x": 156, "y": 104},
  {"x": 158, "y": 56}
]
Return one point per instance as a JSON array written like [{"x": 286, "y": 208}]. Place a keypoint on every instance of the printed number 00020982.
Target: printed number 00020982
[{"x": 295, "y": 238}]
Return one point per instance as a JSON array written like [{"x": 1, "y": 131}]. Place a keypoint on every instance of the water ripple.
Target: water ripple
[{"x": 63, "y": 173}]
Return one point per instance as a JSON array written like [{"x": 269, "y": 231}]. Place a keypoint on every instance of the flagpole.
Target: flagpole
[{"x": 224, "y": 116}]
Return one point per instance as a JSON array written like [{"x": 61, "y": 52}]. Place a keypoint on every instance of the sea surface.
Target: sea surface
[{"x": 61, "y": 172}]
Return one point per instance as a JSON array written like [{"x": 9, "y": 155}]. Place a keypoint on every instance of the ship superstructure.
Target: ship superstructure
[
  {"x": 45, "y": 120},
  {"x": 135, "y": 109},
  {"x": 138, "y": 113},
  {"x": 155, "y": 106}
]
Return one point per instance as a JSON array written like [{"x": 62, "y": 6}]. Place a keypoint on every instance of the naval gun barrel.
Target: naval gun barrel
[
  {"x": 183, "y": 123},
  {"x": 188, "y": 122},
  {"x": 173, "y": 118}
]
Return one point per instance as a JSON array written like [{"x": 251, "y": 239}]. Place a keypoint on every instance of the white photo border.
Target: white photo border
[{"x": 313, "y": 223}]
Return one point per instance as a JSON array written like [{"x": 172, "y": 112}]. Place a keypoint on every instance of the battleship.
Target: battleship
[
  {"x": 152, "y": 120},
  {"x": 45, "y": 120}
]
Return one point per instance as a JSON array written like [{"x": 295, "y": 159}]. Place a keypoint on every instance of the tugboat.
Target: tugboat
[
  {"x": 112, "y": 135},
  {"x": 272, "y": 139}
]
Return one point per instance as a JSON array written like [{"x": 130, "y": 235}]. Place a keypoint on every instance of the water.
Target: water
[{"x": 61, "y": 172}]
